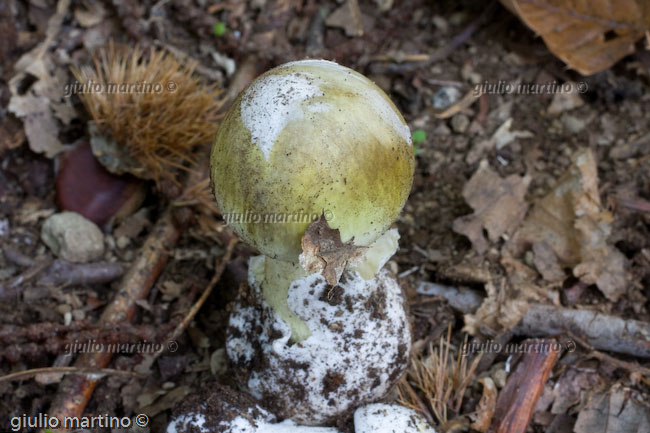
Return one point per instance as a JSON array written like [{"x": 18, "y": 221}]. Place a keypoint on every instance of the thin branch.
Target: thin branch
[{"x": 26, "y": 374}]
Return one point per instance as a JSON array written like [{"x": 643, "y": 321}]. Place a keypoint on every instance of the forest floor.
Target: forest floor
[{"x": 489, "y": 210}]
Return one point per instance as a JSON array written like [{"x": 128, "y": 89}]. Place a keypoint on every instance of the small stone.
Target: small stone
[
  {"x": 573, "y": 124},
  {"x": 218, "y": 362},
  {"x": 459, "y": 123},
  {"x": 122, "y": 242},
  {"x": 468, "y": 73},
  {"x": 73, "y": 238},
  {"x": 440, "y": 23},
  {"x": 4, "y": 227},
  {"x": 445, "y": 97},
  {"x": 442, "y": 130},
  {"x": 499, "y": 378},
  {"x": 564, "y": 102},
  {"x": 78, "y": 314},
  {"x": 63, "y": 308}
]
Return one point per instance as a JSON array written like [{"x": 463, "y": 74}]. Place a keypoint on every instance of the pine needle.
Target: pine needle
[{"x": 438, "y": 382}]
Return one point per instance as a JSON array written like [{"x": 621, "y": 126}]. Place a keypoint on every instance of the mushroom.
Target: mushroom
[{"x": 312, "y": 144}]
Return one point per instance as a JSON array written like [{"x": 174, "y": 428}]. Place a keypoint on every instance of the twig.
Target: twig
[
  {"x": 18, "y": 283},
  {"x": 461, "y": 299},
  {"x": 75, "y": 391},
  {"x": 25, "y": 374},
  {"x": 16, "y": 257},
  {"x": 62, "y": 272},
  {"x": 601, "y": 331},
  {"x": 625, "y": 365},
  {"x": 465, "y": 102},
  {"x": 209, "y": 73}
]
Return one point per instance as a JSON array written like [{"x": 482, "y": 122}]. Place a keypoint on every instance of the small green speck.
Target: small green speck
[
  {"x": 219, "y": 28},
  {"x": 419, "y": 136}
]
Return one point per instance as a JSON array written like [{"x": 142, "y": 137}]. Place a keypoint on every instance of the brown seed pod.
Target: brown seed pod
[
  {"x": 84, "y": 186},
  {"x": 150, "y": 108}
]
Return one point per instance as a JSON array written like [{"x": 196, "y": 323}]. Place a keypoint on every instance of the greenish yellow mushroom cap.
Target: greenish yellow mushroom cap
[{"x": 305, "y": 139}]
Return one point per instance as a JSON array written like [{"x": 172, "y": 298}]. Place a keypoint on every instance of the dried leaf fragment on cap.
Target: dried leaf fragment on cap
[{"x": 323, "y": 251}]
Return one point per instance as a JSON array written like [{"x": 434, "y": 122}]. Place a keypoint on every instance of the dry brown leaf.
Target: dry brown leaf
[
  {"x": 571, "y": 222},
  {"x": 323, "y": 251},
  {"x": 523, "y": 281},
  {"x": 546, "y": 263},
  {"x": 486, "y": 406},
  {"x": 44, "y": 102},
  {"x": 618, "y": 411},
  {"x": 500, "y": 309},
  {"x": 498, "y": 204},
  {"x": 92, "y": 13},
  {"x": 571, "y": 387},
  {"x": 589, "y": 35},
  {"x": 348, "y": 18},
  {"x": 12, "y": 133},
  {"x": 41, "y": 127}
]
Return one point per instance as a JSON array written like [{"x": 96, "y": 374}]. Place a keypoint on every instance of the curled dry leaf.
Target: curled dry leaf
[
  {"x": 348, "y": 18},
  {"x": 486, "y": 406},
  {"x": 617, "y": 411},
  {"x": 571, "y": 387},
  {"x": 498, "y": 205},
  {"x": 90, "y": 14},
  {"x": 590, "y": 36},
  {"x": 502, "y": 308},
  {"x": 323, "y": 251},
  {"x": 43, "y": 102},
  {"x": 571, "y": 221}
]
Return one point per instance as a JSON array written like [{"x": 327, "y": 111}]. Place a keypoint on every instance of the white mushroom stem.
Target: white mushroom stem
[{"x": 276, "y": 277}]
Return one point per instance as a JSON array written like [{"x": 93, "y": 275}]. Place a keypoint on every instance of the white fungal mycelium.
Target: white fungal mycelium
[
  {"x": 389, "y": 418},
  {"x": 218, "y": 415},
  {"x": 273, "y": 101},
  {"x": 247, "y": 420},
  {"x": 358, "y": 348}
]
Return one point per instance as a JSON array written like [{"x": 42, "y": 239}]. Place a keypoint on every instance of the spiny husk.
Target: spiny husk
[{"x": 161, "y": 124}]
